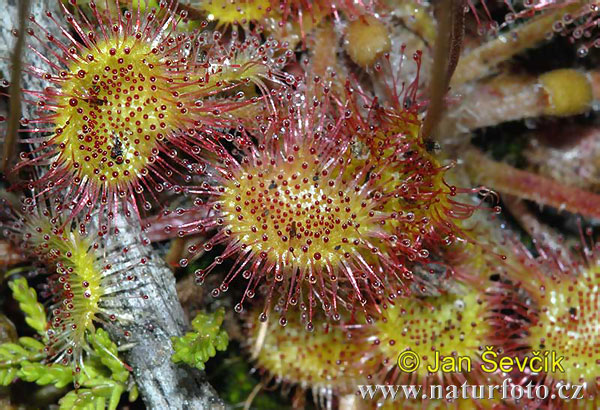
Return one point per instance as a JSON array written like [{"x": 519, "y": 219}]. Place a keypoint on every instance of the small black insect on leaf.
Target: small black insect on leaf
[{"x": 117, "y": 148}]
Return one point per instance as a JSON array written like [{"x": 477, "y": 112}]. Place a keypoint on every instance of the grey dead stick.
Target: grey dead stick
[
  {"x": 152, "y": 315},
  {"x": 153, "y": 321},
  {"x": 9, "y": 20}
]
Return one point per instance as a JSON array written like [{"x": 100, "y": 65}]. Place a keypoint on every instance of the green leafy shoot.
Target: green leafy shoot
[
  {"x": 13, "y": 355},
  {"x": 107, "y": 352},
  {"x": 44, "y": 374},
  {"x": 99, "y": 393},
  {"x": 19, "y": 359},
  {"x": 196, "y": 347},
  {"x": 103, "y": 377},
  {"x": 35, "y": 314}
]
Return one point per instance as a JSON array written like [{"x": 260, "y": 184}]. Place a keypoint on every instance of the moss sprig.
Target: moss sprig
[
  {"x": 100, "y": 386},
  {"x": 35, "y": 314},
  {"x": 199, "y": 345},
  {"x": 105, "y": 378}
]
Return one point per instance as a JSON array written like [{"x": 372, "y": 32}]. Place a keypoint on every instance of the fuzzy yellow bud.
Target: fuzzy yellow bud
[
  {"x": 367, "y": 39},
  {"x": 569, "y": 92}
]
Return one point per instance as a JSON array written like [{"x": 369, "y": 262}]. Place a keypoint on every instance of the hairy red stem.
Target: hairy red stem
[{"x": 526, "y": 185}]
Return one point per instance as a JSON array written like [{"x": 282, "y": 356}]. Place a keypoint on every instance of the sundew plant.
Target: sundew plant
[{"x": 266, "y": 204}]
